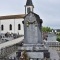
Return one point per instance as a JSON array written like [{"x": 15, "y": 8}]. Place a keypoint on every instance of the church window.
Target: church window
[
  {"x": 28, "y": 10},
  {"x": 10, "y": 27},
  {"x": 2, "y": 27},
  {"x": 19, "y": 27}
]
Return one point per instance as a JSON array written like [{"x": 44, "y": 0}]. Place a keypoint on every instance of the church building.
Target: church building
[{"x": 12, "y": 24}]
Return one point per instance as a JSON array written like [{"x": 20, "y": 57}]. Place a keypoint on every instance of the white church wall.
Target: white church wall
[
  {"x": 19, "y": 21},
  {"x": 14, "y": 23},
  {"x": 6, "y": 24}
]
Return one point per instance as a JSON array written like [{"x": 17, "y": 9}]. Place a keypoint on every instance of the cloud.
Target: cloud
[{"x": 48, "y": 10}]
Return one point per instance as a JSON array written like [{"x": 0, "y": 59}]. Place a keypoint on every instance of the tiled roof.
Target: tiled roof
[{"x": 12, "y": 17}]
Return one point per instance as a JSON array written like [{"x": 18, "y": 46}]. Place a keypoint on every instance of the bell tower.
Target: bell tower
[{"x": 29, "y": 6}]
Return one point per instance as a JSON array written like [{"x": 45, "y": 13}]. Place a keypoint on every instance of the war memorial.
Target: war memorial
[{"x": 33, "y": 44}]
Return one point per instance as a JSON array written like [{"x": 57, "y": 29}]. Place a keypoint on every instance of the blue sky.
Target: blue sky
[{"x": 48, "y": 10}]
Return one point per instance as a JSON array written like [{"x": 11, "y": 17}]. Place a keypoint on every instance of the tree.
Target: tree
[
  {"x": 46, "y": 29},
  {"x": 58, "y": 39}
]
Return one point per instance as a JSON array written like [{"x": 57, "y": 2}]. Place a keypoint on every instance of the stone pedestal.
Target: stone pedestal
[{"x": 35, "y": 51}]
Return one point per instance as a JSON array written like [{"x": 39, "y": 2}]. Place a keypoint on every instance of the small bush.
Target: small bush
[{"x": 58, "y": 39}]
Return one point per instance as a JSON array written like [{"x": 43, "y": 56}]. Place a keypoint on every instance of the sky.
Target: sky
[{"x": 48, "y": 10}]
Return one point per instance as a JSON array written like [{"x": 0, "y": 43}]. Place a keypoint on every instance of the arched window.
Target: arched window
[
  {"x": 10, "y": 27},
  {"x": 19, "y": 27},
  {"x": 2, "y": 27}
]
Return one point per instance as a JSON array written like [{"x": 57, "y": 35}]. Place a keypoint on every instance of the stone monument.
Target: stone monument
[{"x": 33, "y": 43}]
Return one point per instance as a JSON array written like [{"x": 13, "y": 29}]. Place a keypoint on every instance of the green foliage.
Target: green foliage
[
  {"x": 46, "y": 29},
  {"x": 25, "y": 56},
  {"x": 58, "y": 34},
  {"x": 58, "y": 39}
]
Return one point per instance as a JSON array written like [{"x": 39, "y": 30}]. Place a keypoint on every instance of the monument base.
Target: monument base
[{"x": 35, "y": 51}]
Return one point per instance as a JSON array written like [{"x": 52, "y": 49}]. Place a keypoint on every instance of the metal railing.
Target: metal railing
[{"x": 53, "y": 44}]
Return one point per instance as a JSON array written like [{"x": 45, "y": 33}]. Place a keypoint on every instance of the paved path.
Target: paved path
[{"x": 53, "y": 54}]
